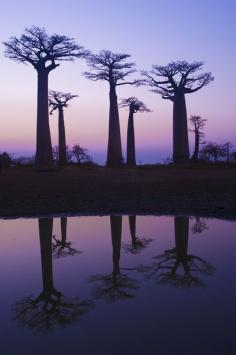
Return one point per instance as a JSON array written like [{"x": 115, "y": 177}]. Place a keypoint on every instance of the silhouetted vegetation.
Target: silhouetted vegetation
[
  {"x": 43, "y": 52},
  {"x": 134, "y": 106},
  {"x": 113, "y": 68},
  {"x": 59, "y": 101},
  {"x": 198, "y": 124},
  {"x": 173, "y": 82}
]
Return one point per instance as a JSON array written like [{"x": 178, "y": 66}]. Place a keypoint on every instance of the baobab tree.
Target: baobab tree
[
  {"x": 43, "y": 52},
  {"x": 113, "y": 68},
  {"x": 173, "y": 81},
  {"x": 134, "y": 106},
  {"x": 115, "y": 286},
  {"x": 50, "y": 308},
  {"x": 58, "y": 101},
  {"x": 62, "y": 247},
  {"x": 198, "y": 124}
]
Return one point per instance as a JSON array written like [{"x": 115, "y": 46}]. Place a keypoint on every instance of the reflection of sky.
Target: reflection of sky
[
  {"x": 154, "y": 33},
  {"x": 190, "y": 318}
]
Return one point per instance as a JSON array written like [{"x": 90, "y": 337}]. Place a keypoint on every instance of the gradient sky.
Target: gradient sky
[{"x": 153, "y": 32}]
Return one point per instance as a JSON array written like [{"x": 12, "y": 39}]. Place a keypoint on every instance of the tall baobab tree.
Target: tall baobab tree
[
  {"x": 58, "y": 101},
  {"x": 134, "y": 106},
  {"x": 115, "y": 286},
  {"x": 173, "y": 81},
  {"x": 50, "y": 308},
  {"x": 43, "y": 52},
  {"x": 198, "y": 124},
  {"x": 113, "y": 68}
]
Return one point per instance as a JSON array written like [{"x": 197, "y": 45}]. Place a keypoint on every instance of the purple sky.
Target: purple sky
[{"x": 153, "y": 32}]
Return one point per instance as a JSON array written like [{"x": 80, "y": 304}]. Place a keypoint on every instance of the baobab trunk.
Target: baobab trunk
[
  {"x": 180, "y": 130},
  {"x": 114, "y": 151},
  {"x": 196, "y": 147},
  {"x": 116, "y": 228},
  {"x": 132, "y": 228},
  {"x": 63, "y": 230},
  {"x": 131, "y": 159},
  {"x": 43, "y": 141},
  {"x": 181, "y": 237},
  {"x": 45, "y": 235},
  {"x": 62, "y": 137}
]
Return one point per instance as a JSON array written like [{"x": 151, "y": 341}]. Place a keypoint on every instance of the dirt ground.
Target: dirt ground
[{"x": 199, "y": 191}]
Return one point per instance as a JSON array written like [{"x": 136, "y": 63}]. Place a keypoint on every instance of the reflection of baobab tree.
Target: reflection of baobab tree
[
  {"x": 137, "y": 244},
  {"x": 199, "y": 226},
  {"x": 62, "y": 247},
  {"x": 176, "y": 266},
  {"x": 50, "y": 308},
  {"x": 114, "y": 286}
]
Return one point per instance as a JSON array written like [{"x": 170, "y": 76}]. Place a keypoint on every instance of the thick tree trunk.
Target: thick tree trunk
[
  {"x": 63, "y": 230},
  {"x": 132, "y": 228},
  {"x": 45, "y": 235},
  {"x": 131, "y": 159},
  {"x": 43, "y": 143},
  {"x": 180, "y": 130},
  {"x": 114, "y": 150},
  {"x": 196, "y": 147},
  {"x": 116, "y": 228},
  {"x": 62, "y": 137},
  {"x": 181, "y": 237}
]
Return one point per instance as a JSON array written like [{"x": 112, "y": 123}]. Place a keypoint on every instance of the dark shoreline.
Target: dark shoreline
[{"x": 73, "y": 191}]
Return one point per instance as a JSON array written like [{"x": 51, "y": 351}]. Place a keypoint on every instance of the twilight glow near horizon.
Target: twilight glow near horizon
[{"x": 153, "y": 32}]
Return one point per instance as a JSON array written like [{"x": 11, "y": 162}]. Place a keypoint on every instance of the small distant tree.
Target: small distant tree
[
  {"x": 58, "y": 101},
  {"x": 212, "y": 152},
  {"x": 134, "y": 106},
  {"x": 197, "y": 124},
  {"x": 43, "y": 52},
  {"x": 113, "y": 68},
  {"x": 172, "y": 82},
  {"x": 80, "y": 154}
]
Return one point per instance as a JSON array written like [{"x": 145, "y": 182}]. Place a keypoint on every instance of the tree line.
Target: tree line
[{"x": 173, "y": 81}]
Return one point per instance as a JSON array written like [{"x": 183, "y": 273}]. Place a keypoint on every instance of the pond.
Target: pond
[{"x": 119, "y": 285}]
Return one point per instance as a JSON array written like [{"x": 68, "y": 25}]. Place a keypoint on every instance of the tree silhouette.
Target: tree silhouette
[
  {"x": 115, "y": 286},
  {"x": 80, "y": 154},
  {"x": 212, "y": 152},
  {"x": 113, "y": 68},
  {"x": 199, "y": 226},
  {"x": 179, "y": 78},
  {"x": 134, "y": 106},
  {"x": 62, "y": 247},
  {"x": 50, "y": 308},
  {"x": 58, "y": 101},
  {"x": 137, "y": 244},
  {"x": 176, "y": 266},
  {"x": 43, "y": 52},
  {"x": 228, "y": 146},
  {"x": 198, "y": 124}
]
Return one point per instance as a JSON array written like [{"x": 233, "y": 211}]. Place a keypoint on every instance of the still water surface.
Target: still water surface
[{"x": 118, "y": 286}]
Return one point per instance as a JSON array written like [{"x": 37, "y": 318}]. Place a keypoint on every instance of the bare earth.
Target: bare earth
[{"x": 203, "y": 191}]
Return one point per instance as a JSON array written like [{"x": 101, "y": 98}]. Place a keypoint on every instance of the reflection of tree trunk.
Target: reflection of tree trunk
[
  {"x": 43, "y": 144},
  {"x": 181, "y": 239},
  {"x": 45, "y": 235},
  {"x": 116, "y": 229},
  {"x": 180, "y": 130},
  {"x": 132, "y": 228},
  {"x": 131, "y": 160},
  {"x": 63, "y": 230},
  {"x": 196, "y": 147},
  {"x": 62, "y": 137},
  {"x": 114, "y": 151}
]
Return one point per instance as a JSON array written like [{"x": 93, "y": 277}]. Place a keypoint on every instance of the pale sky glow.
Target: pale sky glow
[{"x": 153, "y": 32}]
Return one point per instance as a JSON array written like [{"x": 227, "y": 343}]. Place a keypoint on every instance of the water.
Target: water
[{"x": 95, "y": 285}]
